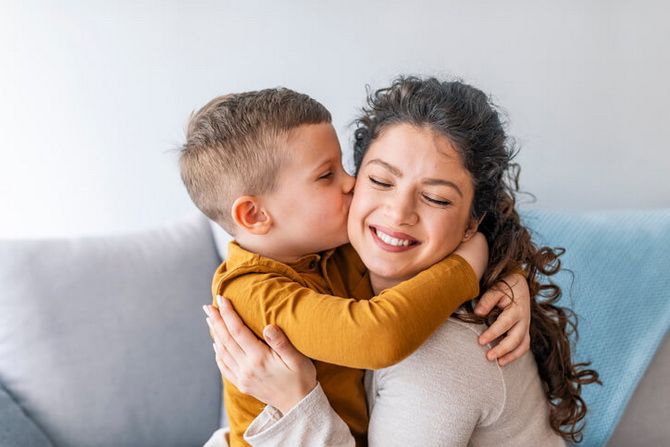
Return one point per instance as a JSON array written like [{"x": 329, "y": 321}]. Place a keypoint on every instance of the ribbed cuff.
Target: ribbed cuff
[
  {"x": 312, "y": 421},
  {"x": 271, "y": 423}
]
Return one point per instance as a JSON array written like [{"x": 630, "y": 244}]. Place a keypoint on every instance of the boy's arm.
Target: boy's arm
[{"x": 365, "y": 334}]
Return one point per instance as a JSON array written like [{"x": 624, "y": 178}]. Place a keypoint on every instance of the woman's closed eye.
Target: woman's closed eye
[
  {"x": 379, "y": 183},
  {"x": 436, "y": 200}
]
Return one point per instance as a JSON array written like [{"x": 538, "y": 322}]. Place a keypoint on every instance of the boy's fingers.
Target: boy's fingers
[
  {"x": 498, "y": 295},
  {"x": 498, "y": 328},
  {"x": 515, "y": 354},
  {"x": 239, "y": 331},
  {"x": 487, "y": 302},
  {"x": 514, "y": 278},
  {"x": 504, "y": 301},
  {"x": 506, "y": 345},
  {"x": 280, "y": 343},
  {"x": 492, "y": 298}
]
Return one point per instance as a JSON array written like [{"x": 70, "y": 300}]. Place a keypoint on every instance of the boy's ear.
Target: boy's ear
[
  {"x": 249, "y": 215},
  {"x": 472, "y": 227}
]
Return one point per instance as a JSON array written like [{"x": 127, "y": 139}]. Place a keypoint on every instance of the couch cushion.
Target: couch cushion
[
  {"x": 16, "y": 428},
  {"x": 103, "y": 340},
  {"x": 620, "y": 289}
]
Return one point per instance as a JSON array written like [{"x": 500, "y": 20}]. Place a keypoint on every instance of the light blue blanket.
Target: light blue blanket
[{"x": 621, "y": 294}]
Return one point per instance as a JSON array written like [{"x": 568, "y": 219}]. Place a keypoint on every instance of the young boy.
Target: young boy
[{"x": 266, "y": 166}]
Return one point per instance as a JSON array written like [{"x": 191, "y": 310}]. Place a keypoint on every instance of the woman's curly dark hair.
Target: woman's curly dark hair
[{"x": 471, "y": 122}]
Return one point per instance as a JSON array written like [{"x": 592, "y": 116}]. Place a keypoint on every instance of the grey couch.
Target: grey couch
[{"x": 103, "y": 343}]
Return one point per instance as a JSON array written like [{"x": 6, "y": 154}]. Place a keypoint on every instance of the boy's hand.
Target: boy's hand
[
  {"x": 513, "y": 322},
  {"x": 476, "y": 252},
  {"x": 275, "y": 373}
]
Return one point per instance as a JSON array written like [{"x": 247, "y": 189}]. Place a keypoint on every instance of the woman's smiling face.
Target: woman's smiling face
[{"x": 411, "y": 204}]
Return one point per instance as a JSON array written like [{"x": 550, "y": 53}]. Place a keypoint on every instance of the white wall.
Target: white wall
[{"x": 94, "y": 95}]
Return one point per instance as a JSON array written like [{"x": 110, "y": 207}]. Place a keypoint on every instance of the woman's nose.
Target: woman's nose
[{"x": 401, "y": 210}]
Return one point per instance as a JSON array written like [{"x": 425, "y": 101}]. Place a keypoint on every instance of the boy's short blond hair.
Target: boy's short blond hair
[{"x": 236, "y": 144}]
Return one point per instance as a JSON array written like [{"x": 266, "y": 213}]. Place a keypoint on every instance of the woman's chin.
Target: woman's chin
[{"x": 389, "y": 273}]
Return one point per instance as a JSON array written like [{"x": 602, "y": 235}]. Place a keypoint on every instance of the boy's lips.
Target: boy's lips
[{"x": 392, "y": 241}]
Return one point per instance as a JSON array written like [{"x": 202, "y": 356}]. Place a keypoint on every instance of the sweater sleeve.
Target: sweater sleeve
[
  {"x": 364, "y": 334},
  {"x": 312, "y": 421}
]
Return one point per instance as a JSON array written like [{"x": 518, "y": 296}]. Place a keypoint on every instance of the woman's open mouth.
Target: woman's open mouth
[{"x": 392, "y": 240}]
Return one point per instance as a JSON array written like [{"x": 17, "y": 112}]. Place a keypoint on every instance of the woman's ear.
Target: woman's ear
[
  {"x": 250, "y": 216},
  {"x": 472, "y": 227}
]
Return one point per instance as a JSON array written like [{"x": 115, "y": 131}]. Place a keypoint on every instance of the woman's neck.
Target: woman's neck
[{"x": 380, "y": 283}]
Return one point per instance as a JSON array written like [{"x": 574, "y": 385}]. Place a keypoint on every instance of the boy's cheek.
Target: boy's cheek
[
  {"x": 344, "y": 239},
  {"x": 348, "y": 198}
]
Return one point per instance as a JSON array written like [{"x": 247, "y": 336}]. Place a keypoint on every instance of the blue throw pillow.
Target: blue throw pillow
[{"x": 621, "y": 293}]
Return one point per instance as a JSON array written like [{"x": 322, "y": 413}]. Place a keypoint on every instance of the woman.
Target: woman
[{"x": 431, "y": 157}]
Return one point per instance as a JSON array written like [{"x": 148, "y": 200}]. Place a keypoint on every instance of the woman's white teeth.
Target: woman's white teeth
[{"x": 391, "y": 240}]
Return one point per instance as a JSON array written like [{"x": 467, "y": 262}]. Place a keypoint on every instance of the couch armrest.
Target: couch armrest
[{"x": 16, "y": 428}]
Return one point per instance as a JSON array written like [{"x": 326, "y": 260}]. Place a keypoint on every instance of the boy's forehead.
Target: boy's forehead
[
  {"x": 312, "y": 142},
  {"x": 312, "y": 131}
]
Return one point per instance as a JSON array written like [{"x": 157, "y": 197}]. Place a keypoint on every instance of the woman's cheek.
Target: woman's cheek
[{"x": 368, "y": 198}]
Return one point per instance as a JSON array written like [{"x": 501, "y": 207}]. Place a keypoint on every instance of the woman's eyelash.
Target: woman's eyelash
[
  {"x": 437, "y": 202},
  {"x": 378, "y": 183},
  {"x": 429, "y": 199}
]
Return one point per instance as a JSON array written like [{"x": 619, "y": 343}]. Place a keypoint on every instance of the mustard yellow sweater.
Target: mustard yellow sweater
[{"x": 343, "y": 335}]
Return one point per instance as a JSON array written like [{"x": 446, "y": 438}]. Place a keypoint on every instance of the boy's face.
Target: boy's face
[{"x": 311, "y": 203}]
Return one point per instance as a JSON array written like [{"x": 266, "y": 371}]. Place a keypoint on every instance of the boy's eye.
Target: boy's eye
[
  {"x": 326, "y": 176},
  {"x": 379, "y": 183},
  {"x": 436, "y": 201}
]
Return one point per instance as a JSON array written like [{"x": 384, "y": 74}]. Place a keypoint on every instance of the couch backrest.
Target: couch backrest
[{"x": 103, "y": 340}]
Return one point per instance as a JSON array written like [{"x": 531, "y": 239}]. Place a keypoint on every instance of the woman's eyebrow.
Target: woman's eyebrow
[
  {"x": 395, "y": 171},
  {"x": 438, "y": 181}
]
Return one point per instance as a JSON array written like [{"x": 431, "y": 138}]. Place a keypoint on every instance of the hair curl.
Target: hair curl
[{"x": 470, "y": 120}]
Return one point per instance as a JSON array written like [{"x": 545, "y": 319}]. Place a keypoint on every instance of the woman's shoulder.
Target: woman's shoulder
[
  {"x": 454, "y": 351},
  {"x": 452, "y": 367},
  {"x": 520, "y": 403},
  {"x": 451, "y": 353},
  {"x": 462, "y": 338},
  {"x": 450, "y": 375},
  {"x": 465, "y": 328},
  {"x": 456, "y": 338}
]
